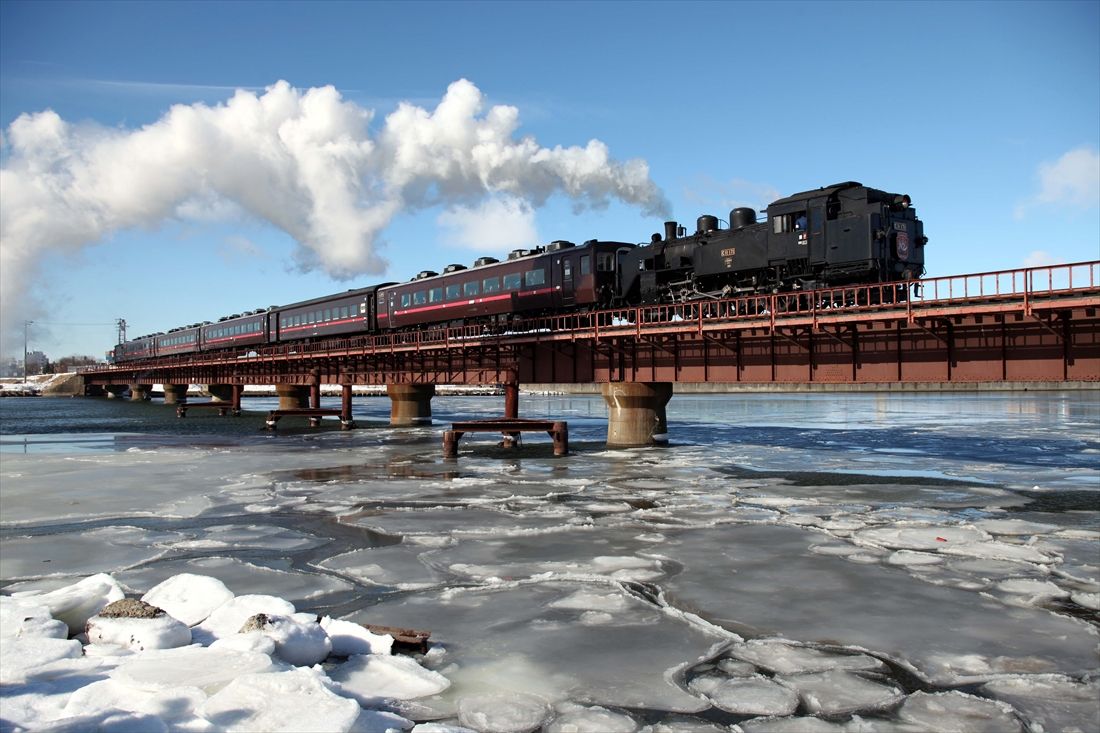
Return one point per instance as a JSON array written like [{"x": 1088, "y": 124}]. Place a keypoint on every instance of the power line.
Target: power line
[{"x": 60, "y": 323}]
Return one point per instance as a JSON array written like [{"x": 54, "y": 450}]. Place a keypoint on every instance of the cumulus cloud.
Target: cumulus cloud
[
  {"x": 1072, "y": 180},
  {"x": 495, "y": 225},
  {"x": 1039, "y": 258},
  {"x": 303, "y": 161}
]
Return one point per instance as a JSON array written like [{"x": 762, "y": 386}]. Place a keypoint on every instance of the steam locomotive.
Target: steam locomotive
[{"x": 842, "y": 234}]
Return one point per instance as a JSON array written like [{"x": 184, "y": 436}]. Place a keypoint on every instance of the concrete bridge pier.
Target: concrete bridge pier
[
  {"x": 140, "y": 392},
  {"x": 230, "y": 393},
  {"x": 175, "y": 394},
  {"x": 292, "y": 396},
  {"x": 114, "y": 391},
  {"x": 220, "y": 392},
  {"x": 636, "y": 413},
  {"x": 410, "y": 404}
]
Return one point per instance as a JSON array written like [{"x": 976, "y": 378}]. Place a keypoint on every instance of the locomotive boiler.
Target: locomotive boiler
[{"x": 837, "y": 235}]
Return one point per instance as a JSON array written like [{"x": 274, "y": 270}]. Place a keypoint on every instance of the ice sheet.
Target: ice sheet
[
  {"x": 107, "y": 549},
  {"x": 398, "y": 566},
  {"x": 372, "y": 676},
  {"x": 242, "y": 576},
  {"x": 295, "y": 701},
  {"x": 1052, "y": 702},
  {"x": 734, "y": 571},
  {"x": 192, "y": 666},
  {"x": 755, "y": 695},
  {"x": 527, "y": 646},
  {"x": 957, "y": 712}
]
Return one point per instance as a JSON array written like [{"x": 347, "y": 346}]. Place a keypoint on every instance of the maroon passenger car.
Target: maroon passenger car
[
  {"x": 559, "y": 276},
  {"x": 246, "y": 329},
  {"x": 178, "y": 341},
  {"x": 351, "y": 312}
]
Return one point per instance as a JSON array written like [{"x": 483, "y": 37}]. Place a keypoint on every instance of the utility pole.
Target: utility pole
[{"x": 25, "y": 325}]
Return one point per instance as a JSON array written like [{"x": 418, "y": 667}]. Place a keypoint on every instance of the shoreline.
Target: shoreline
[{"x": 61, "y": 385}]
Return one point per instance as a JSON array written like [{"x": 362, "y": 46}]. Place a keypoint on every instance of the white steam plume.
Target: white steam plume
[{"x": 304, "y": 161}]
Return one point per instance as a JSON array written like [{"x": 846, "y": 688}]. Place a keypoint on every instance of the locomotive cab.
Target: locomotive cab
[{"x": 845, "y": 233}]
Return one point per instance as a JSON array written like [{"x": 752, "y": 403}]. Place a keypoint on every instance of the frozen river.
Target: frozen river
[{"x": 847, "y": 562}]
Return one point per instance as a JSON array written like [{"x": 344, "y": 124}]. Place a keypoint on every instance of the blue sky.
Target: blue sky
[{"x": 986, "y": 114}]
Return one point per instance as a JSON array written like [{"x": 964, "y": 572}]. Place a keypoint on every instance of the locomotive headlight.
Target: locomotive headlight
[{"x": 903, "y": 201}]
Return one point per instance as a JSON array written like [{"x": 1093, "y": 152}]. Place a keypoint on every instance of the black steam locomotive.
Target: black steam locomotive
[{"x": 838, "y": 235}]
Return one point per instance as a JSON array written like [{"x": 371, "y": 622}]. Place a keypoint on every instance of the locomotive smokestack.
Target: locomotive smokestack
[{"x": 670, "y": 230}]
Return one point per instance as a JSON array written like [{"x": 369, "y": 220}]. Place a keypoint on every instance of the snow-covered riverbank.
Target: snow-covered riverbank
[{"x": 192, "y": 656}]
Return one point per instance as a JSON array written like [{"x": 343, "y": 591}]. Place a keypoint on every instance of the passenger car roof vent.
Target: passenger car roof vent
[
  {"x": 482, "y": 261},
  {"x": 453, "y": 268},
  {"x": 559, "y": 244}
]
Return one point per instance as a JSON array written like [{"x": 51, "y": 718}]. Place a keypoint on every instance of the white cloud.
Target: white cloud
[
  {"x": 496, "y": 225},
  {"x": 1039, "y": 258},
  {"x": 1072, "y": 180},
  {"x": 303, "y": 161}
]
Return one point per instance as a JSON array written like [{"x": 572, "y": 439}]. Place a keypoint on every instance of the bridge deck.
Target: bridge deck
[{"x": 943, "y": 320}]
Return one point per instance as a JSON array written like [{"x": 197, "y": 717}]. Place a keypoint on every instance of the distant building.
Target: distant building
[
  {"x": 37, "y": 362},
  {"x": 11, "y": 368}
]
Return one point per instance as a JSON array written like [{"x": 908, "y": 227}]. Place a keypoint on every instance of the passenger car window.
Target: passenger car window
[
  {"x": 454, "y": 292},
  {"x": 470, "y": 288},
  {"x": 534, "y": 277},
  {"x": 490, "y": 285},
  {"x": 512, "y": 282}
]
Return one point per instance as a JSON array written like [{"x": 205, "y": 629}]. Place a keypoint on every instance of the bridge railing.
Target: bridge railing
[
  {"x": 1032, "y": 281},
  {"x": 1026, "y": 283}
]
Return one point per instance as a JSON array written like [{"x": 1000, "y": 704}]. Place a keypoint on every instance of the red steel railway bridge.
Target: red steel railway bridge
[{"x": 1034, "y": 325}]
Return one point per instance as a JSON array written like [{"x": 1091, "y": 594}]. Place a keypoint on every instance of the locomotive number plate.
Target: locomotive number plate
[
  {"x": 900, "y": 226},
  {"x": 729, "y": 252}
]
